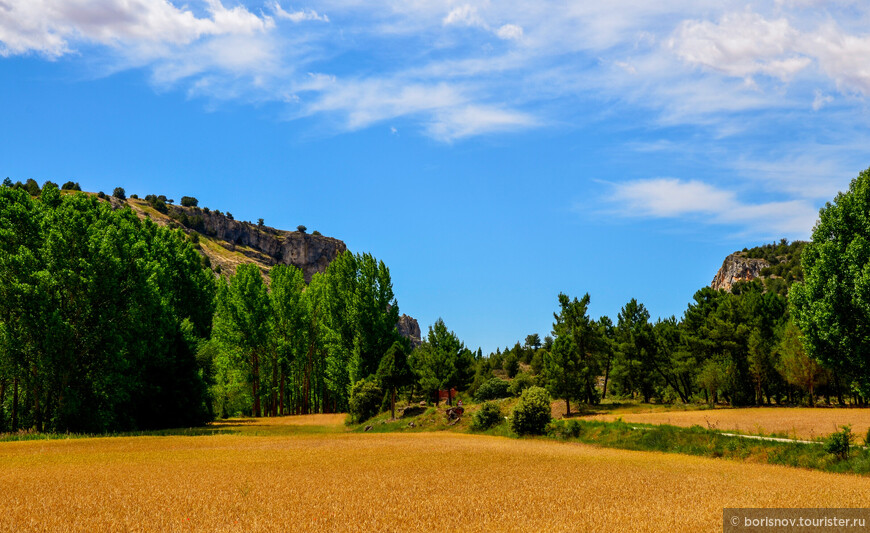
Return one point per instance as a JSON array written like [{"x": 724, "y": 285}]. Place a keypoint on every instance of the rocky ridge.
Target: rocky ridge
[
  {"x": 227, "y": 243},
  {"x": 737, "y": 267}
]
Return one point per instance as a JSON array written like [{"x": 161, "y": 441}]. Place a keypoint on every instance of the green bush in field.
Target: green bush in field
[
  {"x": 487, "y": 416},
  {"x": 521, "y": 382},
  {"x": 838, "y": 443},
  {"x": 365, "y": 400},
  {"x": 493, "y": 389},
  {"x": 532, "y": 413}
]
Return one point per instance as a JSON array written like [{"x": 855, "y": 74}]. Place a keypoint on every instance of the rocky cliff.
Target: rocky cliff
[
  {"x": 737, "y": 267},
  {"x": 227, "y": 242},
  {"x": 408, "y": 327}
]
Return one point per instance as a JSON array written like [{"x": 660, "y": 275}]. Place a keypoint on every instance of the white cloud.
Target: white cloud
[
  {"x": 456, "y": 123},
  {"x": 705, "y": 203},
  {"x": 510, "y": 32},
  {"x": 297, "y": 16},
  {"x": 505, "y": 65},
  {"x": 821, "y": 99},
  {"x": 742, "y": 45},
  {"x": 52, "y": 27},
  {"x": 464, "y": 15}
]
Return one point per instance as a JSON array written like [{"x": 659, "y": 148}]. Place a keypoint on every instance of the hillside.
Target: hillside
[
  {"x": 225, "y": 243},
  {"x": 776, "y": 265}
]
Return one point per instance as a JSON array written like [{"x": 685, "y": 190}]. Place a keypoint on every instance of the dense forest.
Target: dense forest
[{"x": 109, "y": 322}]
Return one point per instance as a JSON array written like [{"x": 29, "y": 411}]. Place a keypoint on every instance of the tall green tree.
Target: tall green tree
[
  {"x": 394, "y": 373},
  {"x": 571, "y": 368},
  {"x": 242, "y": 322},
  {"x": 832, "y": 306},
  {"x": 635, "y": 341}
]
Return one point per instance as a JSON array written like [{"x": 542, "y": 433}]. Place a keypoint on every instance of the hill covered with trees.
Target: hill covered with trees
[{"x": 113, "y": 318}]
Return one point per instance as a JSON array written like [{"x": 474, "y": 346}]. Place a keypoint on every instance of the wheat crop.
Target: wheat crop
[
  {"x": 385, "y": 482},
  {"x": 794, "y": 422}
]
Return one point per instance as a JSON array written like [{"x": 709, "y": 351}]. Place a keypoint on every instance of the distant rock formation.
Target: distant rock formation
[
  {"x": 409, "y": 328},
  {"x": 736, "y": 268},
  {"x": 263, "y": 244}
]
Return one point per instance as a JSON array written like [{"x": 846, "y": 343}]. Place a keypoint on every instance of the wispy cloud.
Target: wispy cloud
[
  {"x": 707, "y": 204},
  {"x": 786, "y": 74}
]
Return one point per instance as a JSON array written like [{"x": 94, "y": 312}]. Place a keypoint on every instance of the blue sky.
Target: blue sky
[{"x": 492, "y": 154}]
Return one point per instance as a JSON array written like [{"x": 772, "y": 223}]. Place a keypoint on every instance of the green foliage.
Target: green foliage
[
  {"x": 260, "y": 222},
  {"x": 511, "y": 364},
  {"x": 301, "y": 229},
  {"x": 839, "y": 443},
  {"x": 532, "y": 412},
  {"x": 315, "y": 232},
  {"x": 119, "y": 193},
  {"x": 493, "y": 389},
  {"x": 634, "y": 365},
  {"x": 443, "y": 361},
  {"x": 394, "y": 372},
  {"x": 32, "y": 187},
  {"x": 365, "y": 398},
  {"x": 832, "y": 306},
  {"x": 571, "y": 368},
  {"x": 521, "y": 382},
  {"x": 189, "y": 201},
  {"x": 242, "y": 323},
  {"x": 7, "y": 182},
  {"x": 489, "y": 415},
  {"x": 101, "y": 315}
]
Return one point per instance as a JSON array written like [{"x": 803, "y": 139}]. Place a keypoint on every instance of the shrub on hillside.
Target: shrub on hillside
[
  {"x": 365, "y": 399},
  {"x": 532, "y": 413},
  {"x": 189, "y": 201},
  {"x": 493, "y": 389},
  {"x": 511, "y": 364},
  {"x": 32, "y": 187},
  {"x": 119, "y": 193},
  {"x": 520, "y": 383},
  {"x": 489, "y": 415}
]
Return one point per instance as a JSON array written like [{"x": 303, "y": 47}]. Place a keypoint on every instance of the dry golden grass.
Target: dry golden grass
[
  {"x": 796, "y": 422},
  {"x": 385, "y": 482}
]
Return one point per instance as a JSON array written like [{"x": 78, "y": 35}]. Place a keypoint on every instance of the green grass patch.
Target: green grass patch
[{"x": 704, "y": 442}]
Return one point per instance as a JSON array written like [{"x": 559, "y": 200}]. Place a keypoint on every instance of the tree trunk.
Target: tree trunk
[
  {"x": 255, "y": 370},
  {"x": 839, "y": 389},
  {"x": 281, "y": 381},
  {"x": 606, "y": 376},
  {"x": 2, "y": 400},
  {"x": 15, "y": 404},
  {"x": 393, "y": 404},
  {"x": 567, "y": 406}
]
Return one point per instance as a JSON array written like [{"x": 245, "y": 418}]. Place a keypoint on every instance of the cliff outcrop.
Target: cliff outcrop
[
  {"x": 737, "y": 267},
  {"x": 409, "y": 328},
  {"x": 228, "y": 242}
]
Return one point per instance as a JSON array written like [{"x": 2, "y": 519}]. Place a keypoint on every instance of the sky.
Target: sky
[{"x": 492, "y": 154}]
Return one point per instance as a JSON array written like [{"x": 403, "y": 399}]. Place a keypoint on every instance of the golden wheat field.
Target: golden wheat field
[
  {"x": 329, "y": 480},
  {"x": 796, "y": 422}
]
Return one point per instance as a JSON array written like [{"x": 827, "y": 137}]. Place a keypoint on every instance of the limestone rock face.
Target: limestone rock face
[
  {"x": 737, "y": 268},
  {"x": 266, "y": 245},
  {"x": 408, "y": 327}
]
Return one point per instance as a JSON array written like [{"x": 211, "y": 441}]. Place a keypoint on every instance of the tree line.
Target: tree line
[{"x": 109, "y": 322}]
